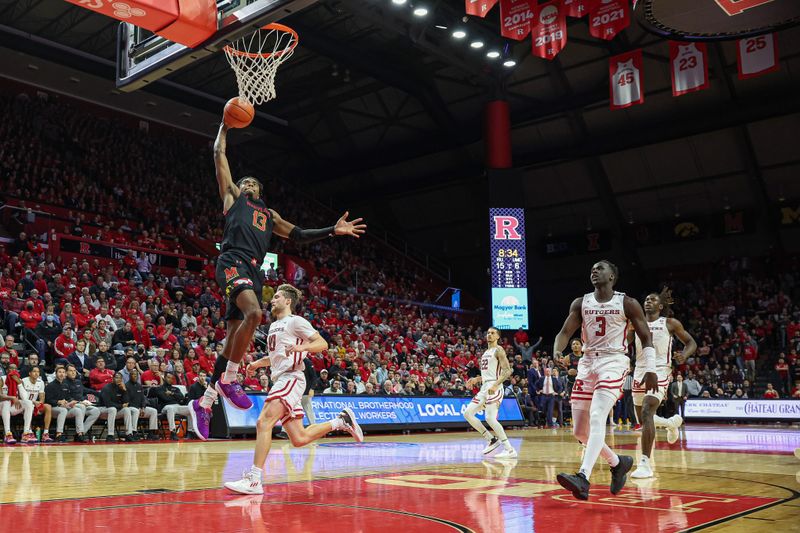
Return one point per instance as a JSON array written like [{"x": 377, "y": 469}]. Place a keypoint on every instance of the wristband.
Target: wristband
[{"x": 649, "y": 358}]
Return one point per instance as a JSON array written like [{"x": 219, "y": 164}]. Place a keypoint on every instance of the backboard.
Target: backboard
[{"x": 143, "y": 57}]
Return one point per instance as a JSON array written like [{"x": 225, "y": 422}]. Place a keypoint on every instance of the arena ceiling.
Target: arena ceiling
[{"x": 384, "y": 116}]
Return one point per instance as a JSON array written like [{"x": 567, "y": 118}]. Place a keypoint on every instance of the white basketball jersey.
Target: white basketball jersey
[
  {"x": 604, "y": 325},
  {"x": 689, "y": 68},
  {"x": 626, "y": 84},
  {"x": 30, "y": 391},
  {"x": 288, "y": 331},
  {"x": 490, "y": 366},
  {"x": 662, "y": 342}
]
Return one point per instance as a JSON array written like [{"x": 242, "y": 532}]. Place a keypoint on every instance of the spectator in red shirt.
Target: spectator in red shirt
[
  {"x": 100, "y": 376},
  {"x": 521, "y": 336},
  {"x": 770, "y": 393},
  {"x": 8, "y": 347},
  {"x": 782, "y": 370},
  {"x": 152, "y": 376},
  {"x": 141, "y": 335},
  {"x": 207, "y": 360},
  {"x": 65, "y": 344}
]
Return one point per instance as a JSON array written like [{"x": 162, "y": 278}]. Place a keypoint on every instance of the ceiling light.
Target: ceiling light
[
  {"x": 399, "y": 2},
  {"x": 493, "y": 54},
  {"x": 420, "y": 11},
  {"x": 476, "y": 44},
  {"x": 439, "y": 26},
  {"x": 459, "y": 34},
  {"x": 509, "y": 63}
]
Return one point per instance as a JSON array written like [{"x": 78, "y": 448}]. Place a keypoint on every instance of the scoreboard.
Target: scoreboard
[{"x": 508, "y": 267}]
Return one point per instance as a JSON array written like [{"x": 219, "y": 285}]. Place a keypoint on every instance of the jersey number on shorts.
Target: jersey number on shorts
[
  {"x": 601, "y": 326},
  {"x": 260, "y": 220}
]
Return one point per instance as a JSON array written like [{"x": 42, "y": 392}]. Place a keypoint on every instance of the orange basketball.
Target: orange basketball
[{"x": 239, "y": 113}]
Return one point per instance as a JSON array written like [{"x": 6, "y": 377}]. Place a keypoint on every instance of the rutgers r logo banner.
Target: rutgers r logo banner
[
  {"x": 506, "y": 227},
  {"x": 737, "y": 7}
]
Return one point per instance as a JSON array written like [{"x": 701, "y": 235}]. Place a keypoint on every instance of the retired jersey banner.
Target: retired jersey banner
[
  {"x": 609, "y": 17},
  {"x": 479, "y": 8},
  {"x": 515, "y": 19},
  {"x": 625, "y": 80},
  {"x": 689, "y": 67},
  {"x": 549, "y": 30},
  {"x": 576, "y": 8},
  {"x": 757, "y": 56}
]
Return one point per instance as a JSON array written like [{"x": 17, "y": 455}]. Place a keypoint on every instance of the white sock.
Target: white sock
[
  {"x": 231, "y": 370},
  {"x": 645, "y": 460},
  {"x": 46, "y": 431},
  {"x": 660, "y": 422},
  {"x": 598, "y": 413},
  {"x": 256, "y": 471},
  {"x": 487, "y": 435},
  {"x": 337, "y": 424},
  {"x": 507, "y": 445},
  {"x": 208, "y": 399}
]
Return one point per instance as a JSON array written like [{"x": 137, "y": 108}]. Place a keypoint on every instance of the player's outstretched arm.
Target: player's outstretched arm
[
  {"x": 634, "y": 312},
  {"x": 260, "y": 363},
  {"x": 287, "y": 230},
  {"x": 228, "y": 190},
  {"x": 689, "y": 344},
  {"x": 572, "y": 323}
]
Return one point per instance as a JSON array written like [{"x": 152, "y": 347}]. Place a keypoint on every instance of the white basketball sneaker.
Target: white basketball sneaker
[
  {"x": 249, "y": 484},
  {"x": 509, "y": 453},
  {"x": 351, "y": 425},
  {"x": 491, "y": 445},
  {"x": 675, "y": 422},
  {"x": 643, "y": 470}
]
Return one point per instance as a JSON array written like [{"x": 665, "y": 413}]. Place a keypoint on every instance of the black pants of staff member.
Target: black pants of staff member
[
  {"x": 627, "y": 399},
  {"x": 546, "y": 402},
  {"x": 680, "y": 404}
]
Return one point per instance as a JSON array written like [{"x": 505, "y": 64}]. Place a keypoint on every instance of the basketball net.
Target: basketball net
[{"x": 255, "y": 60}]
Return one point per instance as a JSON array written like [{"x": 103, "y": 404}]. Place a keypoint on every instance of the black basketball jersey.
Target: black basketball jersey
[{"x": 248, "y": 229}]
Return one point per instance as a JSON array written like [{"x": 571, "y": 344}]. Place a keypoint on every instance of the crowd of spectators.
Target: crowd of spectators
[{"x": 160, "y": 334}]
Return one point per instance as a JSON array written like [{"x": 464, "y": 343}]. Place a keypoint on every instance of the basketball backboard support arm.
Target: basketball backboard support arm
[{"x": 143, "y": 59}]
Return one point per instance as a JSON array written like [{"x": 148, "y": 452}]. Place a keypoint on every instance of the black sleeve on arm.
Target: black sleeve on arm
[{"x": 304, "y": 236}]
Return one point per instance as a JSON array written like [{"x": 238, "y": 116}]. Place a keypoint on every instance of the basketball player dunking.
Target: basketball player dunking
[
  {"x": 662, "y": 329},
  {"x": 494, "y": 371},
  {"x": 290, "y": 338},
  {"x": 249, "y": 226},
  {"x": 603, "y": 316}
]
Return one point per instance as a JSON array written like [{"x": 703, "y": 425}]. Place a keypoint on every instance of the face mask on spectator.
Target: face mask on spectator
[{"x": 50, "y": 318}]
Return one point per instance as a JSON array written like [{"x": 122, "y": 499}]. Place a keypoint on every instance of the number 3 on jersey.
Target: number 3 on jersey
[
  {"x": 260, "y": 220},
  {"x": 601, "y": 326}
]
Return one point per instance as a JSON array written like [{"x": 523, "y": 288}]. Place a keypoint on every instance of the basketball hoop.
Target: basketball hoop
[{"x": 255, "y": 60}]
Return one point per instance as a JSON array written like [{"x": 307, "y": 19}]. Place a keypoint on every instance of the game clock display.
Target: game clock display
[{"x": 508, "y": 267}]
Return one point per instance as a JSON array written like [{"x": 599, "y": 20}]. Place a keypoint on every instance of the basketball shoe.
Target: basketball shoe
[
  {"x": 577, "y": 484},
  {"x": 235, "y": 395},
  {"x": 619, "y": 473},
  {"x": 508, "y": 453},
  {"x": 643, "y": 470},
  {"x": 350, "y": 425},
  {"x": 201, "y": 419},
  {"x": 492, "y": 446},
  {"x": 249, "y": 484},
  {"x": 675, "y": 422}
]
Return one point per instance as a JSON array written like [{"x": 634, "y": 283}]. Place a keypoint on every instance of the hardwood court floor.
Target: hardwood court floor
[{"x": 717, "y": 478}]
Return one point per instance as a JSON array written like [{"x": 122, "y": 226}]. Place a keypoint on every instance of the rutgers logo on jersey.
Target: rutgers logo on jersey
[{"x": 604, "y": 325}]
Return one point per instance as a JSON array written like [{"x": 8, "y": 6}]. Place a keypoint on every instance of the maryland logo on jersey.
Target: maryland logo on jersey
[{"x": 231, "y": 273}]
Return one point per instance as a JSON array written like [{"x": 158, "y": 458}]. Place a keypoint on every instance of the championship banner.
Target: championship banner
[
  {"x": 609, "y": 17},
  {"x": 515, "y": 19},
  {"x": 576, "y": 8},
  {"x": 757, "y": 56},
  {"x": 625, "y": 80},
  {"x": 479, "y": 8},
  {"x": 689, "y": 67},
  {"x": 549, "y": 30}
]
